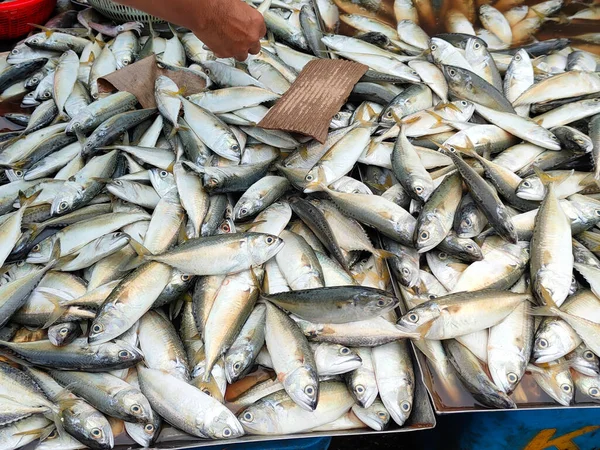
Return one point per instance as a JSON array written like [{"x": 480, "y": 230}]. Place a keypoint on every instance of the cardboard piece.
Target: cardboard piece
[
  {"x": 314, "y": 98},
  {"x": 139, "y": 78}
]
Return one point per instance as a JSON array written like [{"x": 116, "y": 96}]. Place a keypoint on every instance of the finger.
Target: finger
[
  {"x": 254, "y": 49},
  {"x": 241, "y": 57}
]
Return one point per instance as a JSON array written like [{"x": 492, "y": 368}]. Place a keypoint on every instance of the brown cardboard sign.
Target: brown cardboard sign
[
  {"x": 314, "y": 98},
  {"x": 139, "y": 78}
]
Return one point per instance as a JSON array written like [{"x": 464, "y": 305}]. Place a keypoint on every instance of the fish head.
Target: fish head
[
  {"x": 36, "y": 40},
  {"x": 143, "y": 434},
  {"x": 363, "y": 392},
  {"x": 379, "y": 302},
  {"x": 420, "y": 319},
  {"x": 302, "y": 385},
  {"x": 118, "y": 351},
  {"x": 584, "y": 361},
  {"x": 375, "y": 416},
  {"x": 41, "y": 252},
  {"x": 552, "y": 340},
  {"x": 422, "y": 188},
  {"x": 588, "y": 209},
  {"x": 260, "y": 418},
  {"x": 454, "y": 75},
  {"x": 135, "y": 404},
  {"x": 245, "y": 208},
  {"x": 475, "y": 50},
  {"x": 438, "y": 48},
  {"x": 92, "y": 429},
  {"x": 563, "y": 385},
  {"x": 123, "y": 61},
  {"x": 340, "y": 358},
  {"x": 104, "y": 327},
  {"x": 67, "y": 199},
  {"x": 236, "y": 364},
  {"x": 263, "y": 247},
  {"x": 162, "y": 181},
  {"x": 213, "y": 179},
  {"x": 61, "y": 334},
  {"x": 550, "y": 284},
  {"x": 430, "y": 232},
  {"x": 29, "y": 100},
  {"x": 229, "y": 147},
  {"x": 531, "y": 188},
  {"x": 507, "y": 369},
  {"x": 220, "y": 423}
]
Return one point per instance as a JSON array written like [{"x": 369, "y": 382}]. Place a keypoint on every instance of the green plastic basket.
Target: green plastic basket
[{"x": 123, "y": 13}]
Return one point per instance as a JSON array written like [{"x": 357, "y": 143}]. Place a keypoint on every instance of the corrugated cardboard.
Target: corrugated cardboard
[
  {"x": 314, "y": 98},
  {"x": 139, "y": 78}
]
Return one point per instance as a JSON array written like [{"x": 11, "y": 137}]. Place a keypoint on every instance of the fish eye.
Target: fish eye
[
  {"x": 20, "y": 263},
  {"x": 424, "y": 235},
  {"x": 589, "y": 355},
  {"x": 381, "y": 302},
  {"x": 309, "y": 177},
  {"x": 526, "y": 184},
  {"x": 567, "y": 388},
  {"x": 125, "y": 62},
  {"x": 594, "y": 392},
  {"x": 225, "y": 228},
  {"x": 389, "y": 114},
  {"x": 15, "y": 51},
  {"x": 207, "y": 71},
  {"x": 96, "y": 432},
  {"x": 213, "y": 181},
  {"x": 237, "y": 366},
  {"x": 405, "y": 406},
  {"x": 118, "y": 182},
  {"x": 185, "y": 277},
  {"x": 35, "y": 41},
  {"x": 468, "y": 222},
  {"x": 543, "y": 343},
  {"x": 512, "y": 377},
  {"x": 413, "y": 317},
  {"x": 207, "y": 392},
  {"x": 235, "y": 147},
  {"x": 554, "y": 138},
  {"x": 123, "y": 354},
  {"x": 442, "y": 255},
  {"x": 226, "y": 432},
  {"x": 344, "y": 350},
  {"x": 46, "y": 94},
  {"x": 464, "y": 103},
  {"x": 136, "y": 409},
  {"x": 431, "y": 296},
  {"x": 149, "y": 428},
  {"x": 418, "y": 189},
  {"x": 405, "y": 271},
  {"x": 382, "y": 415},
  {"x": 452, "y": 72},
  {"x": 244, "y": 211},
  {"x": 97, "y": 328},
  {"x": 477, "y": 46},
  {"x": 248, "y": 417},
  {"x": 270, "y": 239},
  {"x": 517, "y": 57},
  {"x": 433, "y": 47},
  {"x": 18, "y": 173},
  {"x": 36, "y": 248},
  {"x": 63, "y": 331},
  {"x": 309, "y": 390},
  {"x": 63, "y": 205},
  {"x": 360, "y": 389},
  {"x": 163, "y": 173},
  {"x": 336, "y": 116}
]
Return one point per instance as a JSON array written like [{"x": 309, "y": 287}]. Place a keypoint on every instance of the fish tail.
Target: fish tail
[
  {"x": 58, "y": 310},
  {"x": 25, "y": 201}
]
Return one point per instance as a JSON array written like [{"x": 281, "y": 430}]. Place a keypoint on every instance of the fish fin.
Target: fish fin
[
  {"x": 404, "y": 120},
  {"x": 80, "y": 136},
  {"x": 248, "y": 225},
  {"x": 139, "y": 248},
  {"x": 48, "y": 31},
  {"x": 173, "y": 132},
  {"x": 383, "y": 254},
  {"x": 546, "y": 178},
  {"x": 173, "y": 31},
  {"x": 24, "y": 201},
  {"x": 546, "y": 311},
  {"x": 57, "y": 312},
  {"x": 41, "y": 433},
  {"x": 439, "y": 119},
  {"x": 448, "y": 105}
]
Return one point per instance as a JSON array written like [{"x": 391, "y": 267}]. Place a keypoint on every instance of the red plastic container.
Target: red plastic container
[{"x": 16, "y": 15}]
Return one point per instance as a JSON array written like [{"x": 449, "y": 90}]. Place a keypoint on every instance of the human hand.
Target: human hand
[{"x": 230, "y": 28}]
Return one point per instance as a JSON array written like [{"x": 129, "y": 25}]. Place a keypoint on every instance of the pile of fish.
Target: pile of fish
[{"x": 153, "y": 258}]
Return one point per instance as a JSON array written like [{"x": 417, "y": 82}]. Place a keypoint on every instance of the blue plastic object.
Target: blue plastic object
[
  {"x": 562, "y": 429},
  {"x": 286, "y": 444}
]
